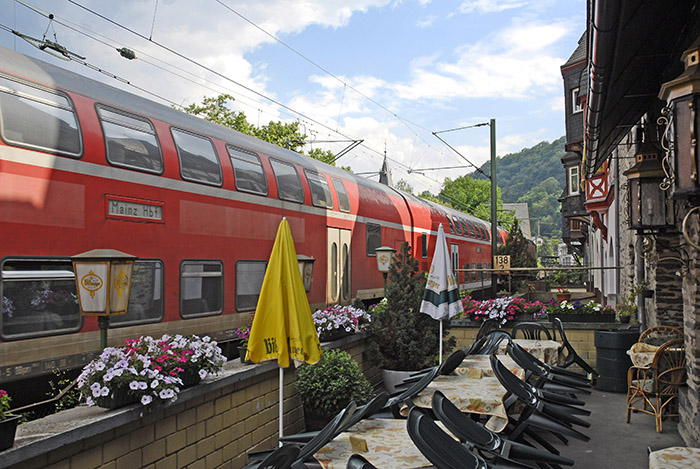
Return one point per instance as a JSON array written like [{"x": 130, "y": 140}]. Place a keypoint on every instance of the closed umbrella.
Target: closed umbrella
[
  {"x": 283, "y": 327},
  {"x": 441, "y": 297}
]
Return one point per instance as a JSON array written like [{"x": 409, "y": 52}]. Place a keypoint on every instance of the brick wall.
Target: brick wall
[{"x": 211, "y": 425}]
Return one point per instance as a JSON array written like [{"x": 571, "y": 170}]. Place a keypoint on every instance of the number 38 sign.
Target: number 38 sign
[{"x": 501, "y": 263}]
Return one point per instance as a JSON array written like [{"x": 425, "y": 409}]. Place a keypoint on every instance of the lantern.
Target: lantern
[
  {"x": 306, "y": 267},
  {"x": 648, "y": 206},
  {"x": 103, "y": 281},
  {"x": 384, "y": 256}
]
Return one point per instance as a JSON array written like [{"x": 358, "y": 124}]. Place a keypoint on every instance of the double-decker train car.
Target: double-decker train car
[{"x": 84, "y": 165}]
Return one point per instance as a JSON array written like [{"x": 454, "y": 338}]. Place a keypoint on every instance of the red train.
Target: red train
[{"x": 84, "y": 165}]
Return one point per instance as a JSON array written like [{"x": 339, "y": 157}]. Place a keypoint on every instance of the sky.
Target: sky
[{"x": 388, "y": 72}]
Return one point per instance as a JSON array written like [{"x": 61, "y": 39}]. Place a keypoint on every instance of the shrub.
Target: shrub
[{"x": 329, "y": 385}]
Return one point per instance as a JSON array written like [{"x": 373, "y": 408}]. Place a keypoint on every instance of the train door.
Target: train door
[
  {"x": 454, "y": 255},
  {"x": 338, "y": 266}
]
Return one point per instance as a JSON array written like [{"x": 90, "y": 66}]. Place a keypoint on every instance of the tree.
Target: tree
[
  {"x": 403, "y": 185},
  {"x": 473, "y": 196},
  {"x": 520, "y": 250},
  {"x": 402, "y": 338},
  {"x": 285, "y": 135}
]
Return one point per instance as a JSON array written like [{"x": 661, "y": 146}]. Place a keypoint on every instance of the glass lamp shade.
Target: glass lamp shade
[
  {"x": 384, "y": 256},
  {"x": 306, "y": 268},
  {"x": 647, "y": 201},
  {"x": 103, "y": 281}
]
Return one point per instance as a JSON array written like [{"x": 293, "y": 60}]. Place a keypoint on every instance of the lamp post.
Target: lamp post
[
  {"x": 306, "y": 267},
  {"x": 384, "y": 256},
  {"x": 103, "y": 281}
]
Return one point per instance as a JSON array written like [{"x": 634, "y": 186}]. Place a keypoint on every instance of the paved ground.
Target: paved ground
[{"x": 615, "y": 444}]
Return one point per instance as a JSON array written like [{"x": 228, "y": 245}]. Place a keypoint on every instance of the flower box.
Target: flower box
[{"x": 583, "y": 317}]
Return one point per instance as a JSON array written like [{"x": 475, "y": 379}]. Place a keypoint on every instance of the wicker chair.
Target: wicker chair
[
  {"x": 659, "y": 335},
  {"x": 656, "y": 386}
]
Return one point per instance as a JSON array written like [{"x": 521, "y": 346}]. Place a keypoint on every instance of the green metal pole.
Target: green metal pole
[
  {"x": 494, "y": 197},
  {"x": 103, "y": 324}
]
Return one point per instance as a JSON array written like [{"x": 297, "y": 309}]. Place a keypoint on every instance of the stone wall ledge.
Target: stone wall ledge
[{"x": 71, "y": 426}]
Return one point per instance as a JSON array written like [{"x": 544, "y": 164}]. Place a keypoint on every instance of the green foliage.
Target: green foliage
[
  {"x": 403, "y": 185},
  {"x": 329, "y": 385},
  {"x": 402, "y": 338},
  {"x": 518, "y": 248},
  {"x": 541, "y": 165},
  {"x": 286, "y": 135},
  {"x": 469, "y": 195},
  {"x": 628, "y": 305},
  {"x": 71, "y": 398}
]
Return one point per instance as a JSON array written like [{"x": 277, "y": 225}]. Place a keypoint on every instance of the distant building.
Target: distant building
[{"x": 522, "y": 213}]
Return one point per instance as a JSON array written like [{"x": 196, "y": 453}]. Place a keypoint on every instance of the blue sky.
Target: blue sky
[{"x": 388, "y": 72}]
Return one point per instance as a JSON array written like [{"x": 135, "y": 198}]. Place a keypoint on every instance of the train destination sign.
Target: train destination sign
[{"x": 134, "y": 209}]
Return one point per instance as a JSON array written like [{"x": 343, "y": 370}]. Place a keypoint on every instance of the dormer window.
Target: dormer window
[
  {"x": 573, "y": 179},
  {"x": 576, "y": 104}
]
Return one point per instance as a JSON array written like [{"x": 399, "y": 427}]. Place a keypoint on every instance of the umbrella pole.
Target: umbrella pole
[
  {"x": 281, "y": 410},
  {"x": 440, "y": 339}
]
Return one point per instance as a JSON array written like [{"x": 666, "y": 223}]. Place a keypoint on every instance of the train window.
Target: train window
[
  {"x": 249, "y": 279},
  {"x": 201, "y": 288},
  {"x": 458, "y": 228},
  {"x": 320, "y": 192},
  {"x": 38, "y": 119},
  {"x": 38, "y": 298},
  {"x": 475, "y": 275},
  {"x": 249, "y": 173},
  {"x": 374, "y": 238},
  {"x": 146, "y": 297},
  {"x": 288, "y": 182},
  {"x": 343, "y": 200},
  {"x": 130, "y": 141},
  {"x": 449, "y": 221},
  {"x": 465, "y": 228},
  {"x": 424, "y": 245},
  {"x": 478, "y": 230},
  {"x": 472, "y": 232},
  {"x": 198, "y": 159},
  {"x": 487, "y": 234}
]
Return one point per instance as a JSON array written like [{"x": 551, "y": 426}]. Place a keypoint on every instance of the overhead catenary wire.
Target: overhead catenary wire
[{"x": 399, "y": 165}]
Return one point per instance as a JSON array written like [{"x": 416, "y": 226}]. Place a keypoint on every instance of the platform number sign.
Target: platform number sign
[{"x": 501, "y": 263}]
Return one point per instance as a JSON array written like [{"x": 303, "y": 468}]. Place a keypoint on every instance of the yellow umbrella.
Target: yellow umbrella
[{"x": 283, "y": 327}]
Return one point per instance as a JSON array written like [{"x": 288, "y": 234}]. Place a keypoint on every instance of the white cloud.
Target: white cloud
[
  {"x": 490, "y": 6},
  {"x": 427, "y": 21}
]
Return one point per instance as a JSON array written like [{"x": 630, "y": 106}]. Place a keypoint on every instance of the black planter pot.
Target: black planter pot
[
  {"x": 8, "y": 429},
  {"x": 118, "y": 398},
  {"x": 241, "y": 352},
  {"x": 582, "y": 317}
]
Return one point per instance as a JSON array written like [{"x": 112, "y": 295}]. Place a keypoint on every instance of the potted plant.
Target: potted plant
[
  {"x": 336, "y": 321},
  {"x": 628, "y": 305},
  {"x": 8, "y": 422},
  {"x": 402, "y": 338},
  {"x": 563, "y": 294},
  {"x": 328, "y": 386},
  {"x": 504, "y": 309},
  {"x": 579, "y": 311},
  {"x": 243, "y": 334},
  {"x": 146, "y": 370}
]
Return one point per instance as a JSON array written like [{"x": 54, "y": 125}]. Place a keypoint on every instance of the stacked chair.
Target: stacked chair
[{"x": 567, "y": 350}]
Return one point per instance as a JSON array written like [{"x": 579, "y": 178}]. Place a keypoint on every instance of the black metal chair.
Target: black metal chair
[
  {"x": 445, "y": 368},
  {"x": 307, "y": 450},
  {"x": 373, "y": 406},
  {"x": 538, "y": 413},
  {"x": 443, "y": 451},
  {"x": 547, "y": 378},
  {"x": 571, "y": 356},
  {"x": 531, "y": 330},
  {"x": 403, "y": 397},
  {"x": 358, "y": 462},
  {"x": 477, "y": 436},
  {"x": 492, "y": 342},
  {"x": 281, "y": 458}
]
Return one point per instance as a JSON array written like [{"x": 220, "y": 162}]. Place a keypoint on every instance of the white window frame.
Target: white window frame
[
  {"x": 576, "y": 105},
  {"x": 571, "y": 173}
]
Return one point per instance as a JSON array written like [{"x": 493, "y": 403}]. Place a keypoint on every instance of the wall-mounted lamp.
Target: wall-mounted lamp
[
  {"x": 384, "y": 256},
  {"x": 103, "y": 280},
  {"x": 648, "y": 205},
  {"x": 306, "y": 267}
]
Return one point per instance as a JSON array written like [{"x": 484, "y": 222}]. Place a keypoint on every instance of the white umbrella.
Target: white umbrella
[{"x": 441, "y": 297}]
